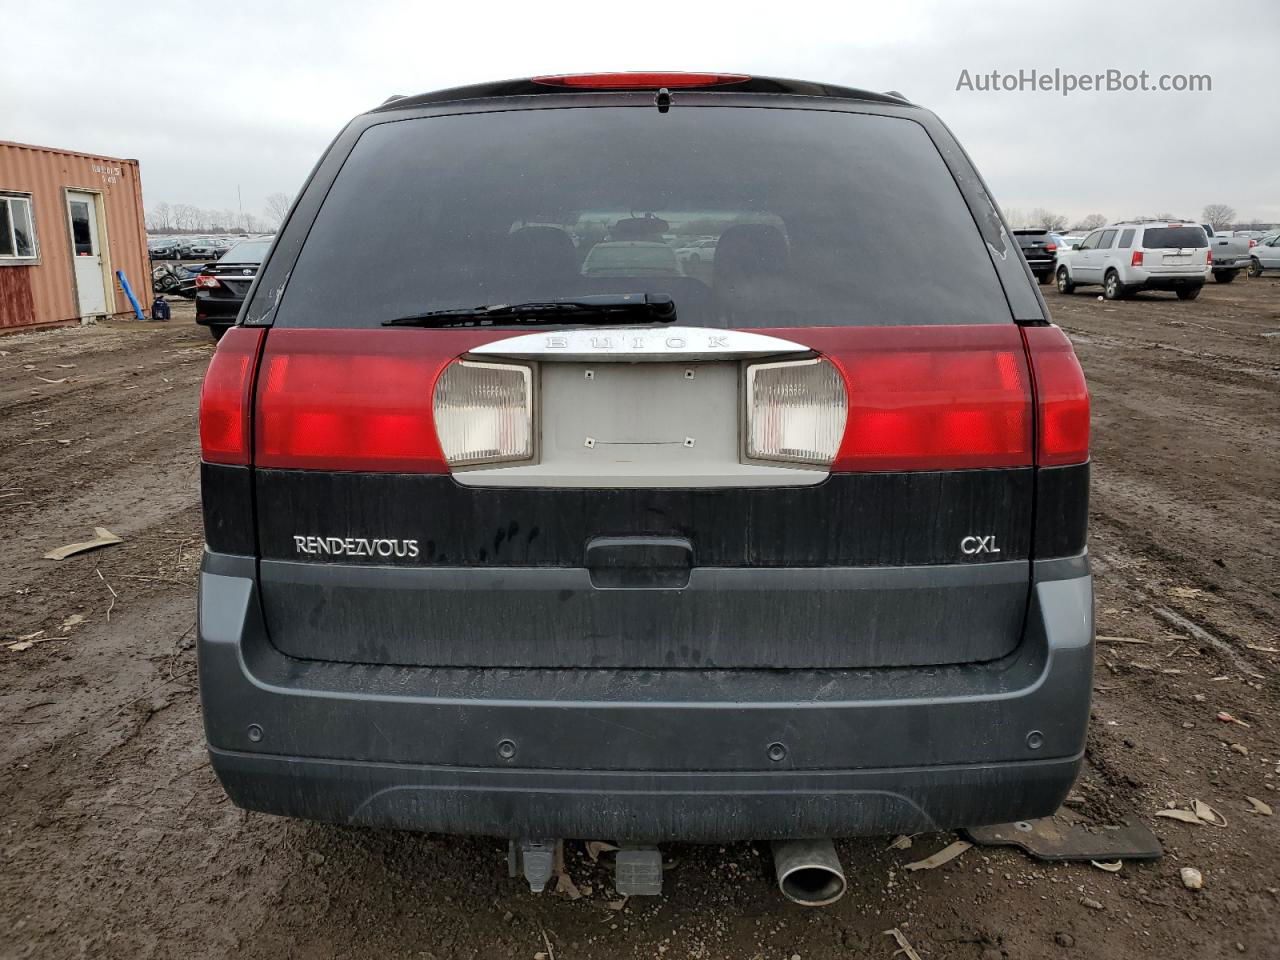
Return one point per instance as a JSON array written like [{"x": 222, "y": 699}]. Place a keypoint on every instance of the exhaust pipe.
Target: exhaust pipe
[{"x": 809, "y": 872}]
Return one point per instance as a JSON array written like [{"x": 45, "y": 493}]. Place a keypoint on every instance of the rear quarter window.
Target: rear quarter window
[{"x": 816, "y": 218}]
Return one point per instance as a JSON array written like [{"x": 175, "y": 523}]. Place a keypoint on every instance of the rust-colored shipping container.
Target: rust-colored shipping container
[{"x": 68, "y": 222}]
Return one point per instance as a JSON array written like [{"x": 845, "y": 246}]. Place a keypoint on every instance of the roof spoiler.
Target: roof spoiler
[{"x": 529, "y": 87}]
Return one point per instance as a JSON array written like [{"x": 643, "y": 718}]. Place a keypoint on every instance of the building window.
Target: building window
[{"x": 17, "y": 228}]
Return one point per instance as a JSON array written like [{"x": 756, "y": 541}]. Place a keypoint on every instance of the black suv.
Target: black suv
[
  {"x": 497, "y": 544},
  {"x": 1040, "y": 248}
]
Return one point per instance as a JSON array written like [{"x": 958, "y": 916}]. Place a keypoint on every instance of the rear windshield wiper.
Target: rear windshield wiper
[{"x": 599, "y": 309}]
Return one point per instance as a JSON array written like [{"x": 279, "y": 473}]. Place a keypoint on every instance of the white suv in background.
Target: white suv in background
[{"x": 1139, "y": 255}]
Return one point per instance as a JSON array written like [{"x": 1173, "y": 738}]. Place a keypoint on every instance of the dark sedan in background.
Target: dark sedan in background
[{"x": 221, "y": 286}]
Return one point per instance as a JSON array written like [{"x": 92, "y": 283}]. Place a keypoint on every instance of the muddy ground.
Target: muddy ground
[{"x": 118, "y": 842}]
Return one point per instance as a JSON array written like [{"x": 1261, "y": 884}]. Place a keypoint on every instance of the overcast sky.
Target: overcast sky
[{"x": 218, "y": 97}]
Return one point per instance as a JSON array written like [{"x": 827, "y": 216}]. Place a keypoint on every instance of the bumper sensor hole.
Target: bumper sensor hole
[
  {"x": 777, "y": 752},
  {"x": 506, "y": 749}
]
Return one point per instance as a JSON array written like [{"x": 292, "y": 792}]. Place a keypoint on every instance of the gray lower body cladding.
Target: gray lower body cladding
[
  {"x": 1171, "y": 283},
  {"x": 723, "y": 617},
  {"x": 648, "y": 754},
  {"x": 690, "y": 807}
]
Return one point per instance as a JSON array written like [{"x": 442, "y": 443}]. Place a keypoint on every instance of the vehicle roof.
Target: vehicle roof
[
  {"x": 1152, "y": 221},
  {"x": 527, "y": 86}
]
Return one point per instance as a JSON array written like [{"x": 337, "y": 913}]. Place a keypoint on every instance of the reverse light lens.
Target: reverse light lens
[
  {"x": 484, "y": 412},
  {"x": 796, "y": 411},
  {"x": 206, "y": 281}
]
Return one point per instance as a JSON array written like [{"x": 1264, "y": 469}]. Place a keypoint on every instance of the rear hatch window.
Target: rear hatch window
[
  {"x": 819, "y": 218},
  {"x": 1157, "y": 238},
  {"x": 247, "y": 251}
]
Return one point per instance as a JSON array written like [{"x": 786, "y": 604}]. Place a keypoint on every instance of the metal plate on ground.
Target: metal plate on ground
[{"x": 1060, "y": 838}]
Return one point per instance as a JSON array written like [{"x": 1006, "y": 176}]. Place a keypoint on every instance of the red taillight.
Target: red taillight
[
  {"x": 1252, "y": 243},
  {"x": 348, "y": 400},
  {"x": 1136, "y": 259},
  {"x": 206, "y": 281},
  {"x": 640, "y": 81},
  {"x": 1062, "y": 398},
  {"x": 1050, "y": 247},
  {"x": 931, "y": 398},
  {"x": 225, "y": 398}
]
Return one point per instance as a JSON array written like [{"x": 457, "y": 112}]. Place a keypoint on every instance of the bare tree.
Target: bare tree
[
  {"x": 1040, "y": 217},
  {"x": 185, "y": 216},
  {"x": 160, "y": 218},
  {"x": 1015, "y": 218},
  {"x": 1218, "y": 215},
  {"x": 188, "y": 218},
  {"x": 1092, "y": 222},
  {"x": 278, "y": 207}
]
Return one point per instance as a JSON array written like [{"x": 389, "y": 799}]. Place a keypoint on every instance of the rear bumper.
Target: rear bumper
[
  {"x": 1169, "y": 281},
  {"x": 647, "y": 755},
  {"x": 694, "y": 807},
  {"x": 216, "y": 311}
]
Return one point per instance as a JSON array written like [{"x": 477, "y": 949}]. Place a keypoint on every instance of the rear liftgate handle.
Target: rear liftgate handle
[{"x": 639, "y": 563}]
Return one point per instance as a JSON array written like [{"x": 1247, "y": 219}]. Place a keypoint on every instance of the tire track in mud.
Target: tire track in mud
[
  {"x": 1232, "y": 368},
  {"x": 133, "y": 457}
]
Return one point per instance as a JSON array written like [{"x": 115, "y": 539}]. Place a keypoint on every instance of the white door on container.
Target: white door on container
[{"x": 86, "y": 254}]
